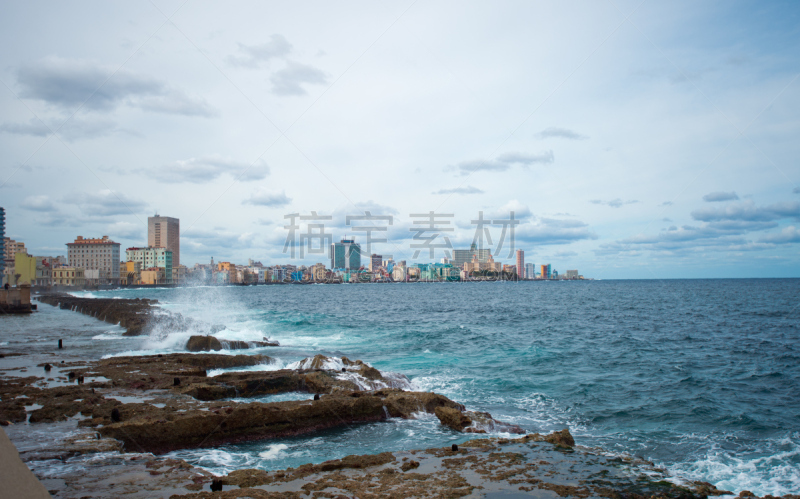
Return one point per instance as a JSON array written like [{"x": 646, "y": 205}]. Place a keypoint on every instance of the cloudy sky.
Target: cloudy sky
[{"x": 631, "y": 139}]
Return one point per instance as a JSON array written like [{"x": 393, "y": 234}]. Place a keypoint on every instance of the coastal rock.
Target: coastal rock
[
  {"x": 453, "y": 418},
  {"x": 203, "y": 344},
  {"x": 473, "y": 422},
  {"x": 163, "y": 430},
  {"x": 562, "y": 438}
]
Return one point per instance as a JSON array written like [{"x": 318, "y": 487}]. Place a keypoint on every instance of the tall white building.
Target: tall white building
[
  {"x": 165, "y": 232},
  {"x": 530, "y": 271},
  {"x": 96, "y": 254}
]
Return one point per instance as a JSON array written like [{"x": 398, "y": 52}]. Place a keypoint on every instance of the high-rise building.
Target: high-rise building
[
  {"x": 546, "y": 274},
  {"x": 460, "y": 256},
  {"x": 520, "y": 264},
  {"x": 2, "y": 246},
  {"x": 346, "y": 255},
  {"x": 10, "y": 249},
  {"x": 165, "y": 232},
  {"x": 530, "y": 271},
  {"x": 572, "y": 274},
  {"x": 101, "y": 254},
  {"x": 150, "y": 258},
  {"x": 375, "y": 261}
]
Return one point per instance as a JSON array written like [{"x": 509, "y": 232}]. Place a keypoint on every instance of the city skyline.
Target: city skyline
[{"x": 630, "y": 140}]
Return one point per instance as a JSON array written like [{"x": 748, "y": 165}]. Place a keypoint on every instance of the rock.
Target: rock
[
  {"x": 410, "y": 465},
  {"x": 203, "y": 344},
  {"x": 163, "y": 430},
  {"x": 452, "y": 418},
  {"x": 115, "y": 415},
  {"x": 454, "y": 448},
  {"x": 216, "y": 485},
  {"x": 562, "y": 438}
]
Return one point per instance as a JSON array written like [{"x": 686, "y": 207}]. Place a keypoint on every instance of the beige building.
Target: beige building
[
  {"x": 165, "y": 232},
  {"x": 153, "y": 275},
  {"x": 477, "y": 266},
  {"x": 68, "y": 276},
  {"x": 11, "y": 247},
  {"x": 318, "y": 272},
  {"x": 101, "y": 254}
]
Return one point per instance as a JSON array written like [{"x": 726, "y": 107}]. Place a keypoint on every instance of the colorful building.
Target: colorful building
[{"x": 149, "y": 258}]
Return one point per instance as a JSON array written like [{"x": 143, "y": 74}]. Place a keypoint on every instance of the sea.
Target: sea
[{"x": 701, "y": 377}]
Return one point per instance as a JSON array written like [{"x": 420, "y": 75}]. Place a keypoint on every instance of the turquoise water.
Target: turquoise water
[{"x": 700, "y": 376}]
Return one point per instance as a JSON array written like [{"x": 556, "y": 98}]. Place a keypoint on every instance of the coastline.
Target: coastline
[{"x": 158, "y": 388}]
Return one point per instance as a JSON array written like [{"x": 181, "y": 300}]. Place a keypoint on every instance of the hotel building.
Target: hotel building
[{"x": 100, "y": 254}]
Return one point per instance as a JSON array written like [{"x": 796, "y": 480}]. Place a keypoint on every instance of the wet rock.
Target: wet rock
[
  {"x": 409, "y": 465},
  {"x": 115, "y": 415},
  {"x": 453, "y": 418},
  {"x": 216, "y": 485},
  {"x": 562, "y": 438},
  {"x": 164, "y": 430},
  {"x": 203, "y": 344}
]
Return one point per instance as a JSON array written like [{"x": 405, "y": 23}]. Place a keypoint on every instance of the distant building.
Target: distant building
[
  {"x": 165, "y": 232},
  {"x": 153, "y": 276},
  {"x": 2, "y": 246},
  {"x": 461, "y": 256},
  {"x": 130, "y": 272},
  {"x": 375, "y": 262},
  {"x": 319, "y": 272},
  {"x": 68, "y": 276},
  {"x": 346, "y": 255},
  {"x": 151, "y": 258},
  {"x": 546, "y": 274},
  {"x": 520, "y": 264},
  {"x": 530, "y": 271},
  {"x": 477, "y": 266},
  {"x": 10, "y": 248},
  {"x": 571, "y": 274},
  {"x": 399, "y": 272},
  {"x": 96, "y": 254},
  {"x": 24, "y": 269}
]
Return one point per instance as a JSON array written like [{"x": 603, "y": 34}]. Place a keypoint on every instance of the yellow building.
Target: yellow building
[
  {"x": 24, "y": 269},
  {"x": 68, "y": 276},
  {"x": 130, "y": 272},
  {"x": 318, "y": 272},
  {"x": 153, "y": 275}
]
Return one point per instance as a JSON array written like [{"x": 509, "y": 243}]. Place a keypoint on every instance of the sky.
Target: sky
[{"x": 633, "y": 139}]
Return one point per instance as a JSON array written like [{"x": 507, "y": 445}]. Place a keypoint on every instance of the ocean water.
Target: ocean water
[{"x": 701, "y": 377}]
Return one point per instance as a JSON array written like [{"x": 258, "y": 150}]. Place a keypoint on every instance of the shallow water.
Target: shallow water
[{"x": 699, "y": 376}]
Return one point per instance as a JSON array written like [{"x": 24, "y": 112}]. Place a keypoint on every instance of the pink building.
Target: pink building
[{"x": 521, "y": 264}]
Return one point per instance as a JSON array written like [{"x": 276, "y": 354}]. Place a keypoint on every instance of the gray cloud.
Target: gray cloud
[
  {"x": 468, "y": 189},
  {"x": 505, "y": 162},
  {"x": 666, "y": 203},
  {"x": 68, "y": 83},
  {"x": 547, "y": 231},
  {"x": 252, "y": 56},
  {"x": 290, "y": 80},
  {"x": 173, "y": 101},
  {"x": 724, "y": 230},
  {"x": 39, "y": 203},
  {"x": 796, "y": 190},
  {"x": 126, "y": 230},
  {"x": 262, "y": 197},
  {"x": 788, "y": 235},
  {"x": 748, "y": 211},
  {"x": 74, "y": 129},
  {"x": 614, "y": 203},
  {"x": 106, "y": 203},
  {"x": 720, "y": 196},
  {"x": 559, "y": 133},
  {"x": 208, "y": 168}
]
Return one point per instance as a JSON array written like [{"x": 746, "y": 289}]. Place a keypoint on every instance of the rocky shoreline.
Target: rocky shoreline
[{"x": 128, "y": 411}]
